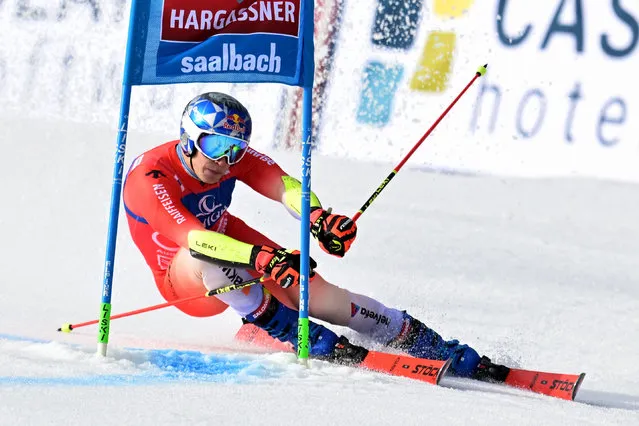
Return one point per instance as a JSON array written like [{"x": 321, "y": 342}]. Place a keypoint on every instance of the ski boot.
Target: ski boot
[
  {"x": 346, "y": 353},
  {"x": 280, "y": 322},
  {"x": 490, "y": 372},
  {"x": 419, "y": 341}
]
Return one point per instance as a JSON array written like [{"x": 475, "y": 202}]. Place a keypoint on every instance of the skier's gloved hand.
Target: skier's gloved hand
[
  {"x": 335, "y": 233},
  {"x": 283, "y": 266}
]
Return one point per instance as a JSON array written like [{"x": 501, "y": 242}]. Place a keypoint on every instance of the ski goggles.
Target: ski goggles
[{"x": 215, "y": 147}]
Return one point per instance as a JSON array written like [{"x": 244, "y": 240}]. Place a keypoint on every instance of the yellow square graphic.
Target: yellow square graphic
[
  {"x": 451, "y": 8},
  {"x": 435, "y": 64}
]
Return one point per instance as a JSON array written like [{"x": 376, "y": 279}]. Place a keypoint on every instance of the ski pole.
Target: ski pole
[
  {"x": 480, "y": 72},
  {"x": 68, "y": 327}
]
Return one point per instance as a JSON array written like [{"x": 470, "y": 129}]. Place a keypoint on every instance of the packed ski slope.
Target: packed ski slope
[{"x": 539, "y": 274}]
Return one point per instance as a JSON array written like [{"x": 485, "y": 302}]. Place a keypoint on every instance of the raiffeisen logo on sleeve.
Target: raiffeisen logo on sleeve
[{"x": 229, "y": 36}]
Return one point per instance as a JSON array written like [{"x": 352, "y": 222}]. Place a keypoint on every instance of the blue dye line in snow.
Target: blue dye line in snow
[
  {"x": 173, "y": 366},
  {"x": 22, "y": 338}
]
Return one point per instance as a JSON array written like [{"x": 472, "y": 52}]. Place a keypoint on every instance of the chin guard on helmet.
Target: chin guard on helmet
[{"x": 187, "y": 145}]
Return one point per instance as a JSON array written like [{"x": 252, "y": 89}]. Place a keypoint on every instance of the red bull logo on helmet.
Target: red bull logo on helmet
[{"x": 234, "y": 123}]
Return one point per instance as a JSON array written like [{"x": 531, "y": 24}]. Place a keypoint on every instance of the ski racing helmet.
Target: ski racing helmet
[{"x": 217, "y": 125}]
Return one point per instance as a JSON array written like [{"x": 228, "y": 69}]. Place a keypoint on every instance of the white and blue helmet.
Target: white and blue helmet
[{"x": 222, "y": 117}]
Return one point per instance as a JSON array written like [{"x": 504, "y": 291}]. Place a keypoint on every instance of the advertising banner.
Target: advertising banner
[
  {"x": 178, "y": 41},
  {"x": 559, "y": 98}
]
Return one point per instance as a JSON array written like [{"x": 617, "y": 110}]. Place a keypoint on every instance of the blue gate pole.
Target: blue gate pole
[
  {"x": 116, "y": 191},
  {"x": 305, "y": 220}
]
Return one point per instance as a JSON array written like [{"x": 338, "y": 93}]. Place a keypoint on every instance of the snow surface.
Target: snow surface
[{"x": 539, "y": 274}]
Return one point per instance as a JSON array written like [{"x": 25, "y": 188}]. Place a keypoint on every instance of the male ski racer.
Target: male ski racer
[{"x": 185, "y": 187}]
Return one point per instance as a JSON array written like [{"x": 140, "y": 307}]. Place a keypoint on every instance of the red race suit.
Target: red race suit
[{"x": 164, "y": 201}]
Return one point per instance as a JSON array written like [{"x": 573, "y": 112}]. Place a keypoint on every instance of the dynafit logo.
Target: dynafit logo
[{"x": 196, "y": 20}]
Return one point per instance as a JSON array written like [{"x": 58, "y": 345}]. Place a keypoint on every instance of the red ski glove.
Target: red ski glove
[
  {"x": 283, "y": 266},
  {"x": 335, "y": 233}
]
